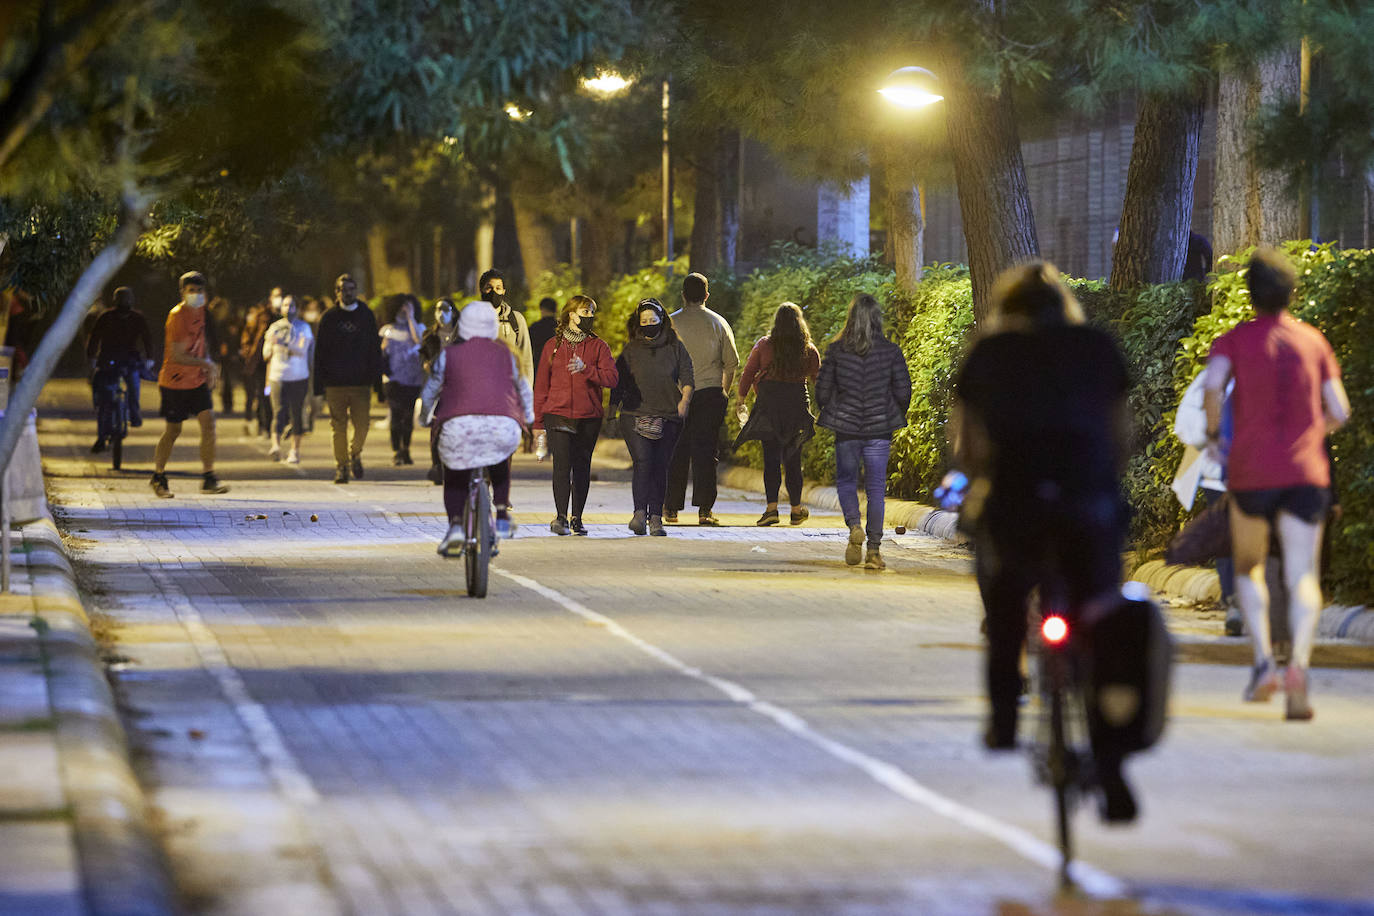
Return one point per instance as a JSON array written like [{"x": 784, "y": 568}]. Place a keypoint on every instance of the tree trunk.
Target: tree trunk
[
  {"x": 1157, "y": 213},
  {"x": 999, "y": 225},
  {"x": 1252, "y": 206},
  {"x": 704, "y": 248},
  {"x": 728, "y": 184},
  {"x": 505, "y": 242},
  {"x": 69, "y": 320},
  {"x": 906, "y": 235},
  {"x": 600, "y": 235},
  {"x": 537, "y": 249}
]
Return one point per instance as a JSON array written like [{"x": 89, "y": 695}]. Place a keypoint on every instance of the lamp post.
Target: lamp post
[{"x": 910, "y": 88}]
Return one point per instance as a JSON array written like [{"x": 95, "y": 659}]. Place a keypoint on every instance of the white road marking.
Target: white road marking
[
  {"x": 281, "y": 763},
  {"x": 1091, "y": 879}
]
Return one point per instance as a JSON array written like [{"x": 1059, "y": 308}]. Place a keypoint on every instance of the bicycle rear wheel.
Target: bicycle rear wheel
[
  {"x": 1061, "y": 768},
  {"x": 477, "y": 525},
  {"x": 119, "y": 428}
]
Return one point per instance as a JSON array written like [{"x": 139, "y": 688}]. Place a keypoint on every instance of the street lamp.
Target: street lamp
[
  {"x": 911, "y": 87},
  {"x": 609, "y": 83}
]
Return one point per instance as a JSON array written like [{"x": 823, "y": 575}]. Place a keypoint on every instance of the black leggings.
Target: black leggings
[
  {"x": 572, "y": 465},
  {"x": 456, "y": 489},
  {"x": 401, "y": 399},
  {"x": 774, "y": 465}
]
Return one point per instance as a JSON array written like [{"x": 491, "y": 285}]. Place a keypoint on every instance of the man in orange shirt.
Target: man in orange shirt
[{"x": 188, "y": 376}]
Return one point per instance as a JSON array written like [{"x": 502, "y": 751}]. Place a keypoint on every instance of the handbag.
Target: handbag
[
  {"x": 554, "y": 423},
  {"x": 649, "y": 427},
  {"x": 1205, "y": 538}
]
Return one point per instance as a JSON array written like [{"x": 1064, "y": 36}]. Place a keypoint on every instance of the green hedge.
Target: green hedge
[{"x": 1165, "y": 333}]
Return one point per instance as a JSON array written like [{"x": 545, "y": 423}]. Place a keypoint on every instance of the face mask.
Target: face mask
[
  {"x": 195, "y": 300},
  {"x": 585, "y": 323},
  {"x": 650, "y": 331},
  {"x": 446, "y": 316},
  {"x": 291, "y": 314}
]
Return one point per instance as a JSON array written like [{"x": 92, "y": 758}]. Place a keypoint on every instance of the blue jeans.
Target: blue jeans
[
  {"x": 105, "y": 382},
  {"x": 872, "y": 454},
  {"x": 652, "y": 458}
]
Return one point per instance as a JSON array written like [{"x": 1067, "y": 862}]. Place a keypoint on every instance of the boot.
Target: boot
[
  {"x": 854, "y": 550},
  {"x": 873, "y": 559},
  {"x": 656, "y": 526},
  {"x": 637, "y": 522}
]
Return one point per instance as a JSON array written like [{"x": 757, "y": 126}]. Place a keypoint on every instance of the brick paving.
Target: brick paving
[{"x": 329, "y": 724}]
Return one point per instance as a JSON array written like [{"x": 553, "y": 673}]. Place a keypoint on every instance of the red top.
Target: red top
[
  {"x": 480, "y": 379},
  {"x": 1280, "y": 365},
  {"x": 760, "y": 367},
  {"x": 187, "y": 325},
  {"x": 575, "y": 395}
]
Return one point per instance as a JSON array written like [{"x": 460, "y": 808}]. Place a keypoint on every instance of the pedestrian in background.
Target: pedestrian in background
[
  {"x": 258, "y": 411},
  {"x": 1288, "y": 396},
  {"x": 119, "y": 346},
  {"x": 479, "y": 402},
  {"x": 543, "y": 331},
  {"x": 864, "y": 390},
  {"x": 348, "y": 367},
  {"x": 653, "y": 391},
  {"x": 287, "y": 349},
  {"x": 405, "y": 374},
  {"x": 711, "y": 343},
  {"x": 432, "y": 342},
  {"x": 512, "y": 326},
  {"x": 574, "y": 368},
  {"x": 229, "y": 322},
  {"x": 779, "y": 367},
  {"x": 187, "y": 377}
]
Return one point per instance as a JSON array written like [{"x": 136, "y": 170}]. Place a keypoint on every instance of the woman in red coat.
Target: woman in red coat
[{"x": 577, "y": 366}]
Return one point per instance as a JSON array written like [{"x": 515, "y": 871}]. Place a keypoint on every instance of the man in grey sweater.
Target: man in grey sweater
[{"x": 711, "y": 344}]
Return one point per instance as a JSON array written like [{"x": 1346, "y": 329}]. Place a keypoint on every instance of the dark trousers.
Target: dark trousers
[
  {"x": 456, "y": 489},
  {"x": 1076, "y": 550},
  {"x": 103, "y": 385},
  {"x": 262, "y": 407},
  {"x": 401, "y": 399},
  {"x": 696, "y": 450},
  {"x": 288, "y": 401},
  {"x": 776, "y": 463},
  {"x": 228, "y": 378},
  {"x": 572, "y": 465},
  {"x": 651, "y": 459}
]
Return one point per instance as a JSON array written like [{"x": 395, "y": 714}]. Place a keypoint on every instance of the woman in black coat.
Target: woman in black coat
[{"x": 864, "y": 390}]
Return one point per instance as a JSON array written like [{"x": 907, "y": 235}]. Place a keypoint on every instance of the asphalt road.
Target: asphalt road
[{"x": 720, "y": 721}]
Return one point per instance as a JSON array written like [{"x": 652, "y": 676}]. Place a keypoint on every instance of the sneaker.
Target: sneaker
[
  {"x": 669, "y": 517},
  {"x": 638, "y": 524},
  {"x": 274, "y": 453},
  {"x": 135, "y": 419},
  {"x": 769, "y": 517},
  {"x": 405, "y": 457},
  {"x": 1264, "y": 680},
  {"x": 98, "y": 447},
  {"x": 210, "y": 485},
  {"x": 575, "y": 523},
  {"x": 854, "y": 550},
  {"x": 559, "y": 526},
  {"x": 341, "y": 474},
  {"x": 656, "y": 526},
  {"x": 452, "y": 541},
  {"x": 1296, "y": 707},
  {"x": 294, "y": 457},
  {"x": 160, "y": 488},
  {"x": 358, "y": 467},
  {"x": 1235, "y": 621},
  {"x": 873, "y": 559},
  {"x": 397, "y": 461},
  {"x": 505, "y": 528},
  {"x": 799, "y": 514},
  {"x": 705, "y": 520}
]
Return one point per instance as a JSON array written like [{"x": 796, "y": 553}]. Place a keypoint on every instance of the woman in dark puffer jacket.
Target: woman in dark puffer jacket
[{"x": 864, "y": 390}]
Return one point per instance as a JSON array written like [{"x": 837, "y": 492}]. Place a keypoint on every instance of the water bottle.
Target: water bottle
[{"x": 541, "y": 445}]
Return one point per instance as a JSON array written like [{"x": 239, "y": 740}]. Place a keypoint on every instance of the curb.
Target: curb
[{"x": 122, "y": 869}]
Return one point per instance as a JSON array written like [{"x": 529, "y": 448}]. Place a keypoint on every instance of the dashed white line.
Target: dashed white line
[{"x": 1091, "y": 879}]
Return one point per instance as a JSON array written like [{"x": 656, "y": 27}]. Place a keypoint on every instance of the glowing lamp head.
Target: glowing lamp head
[
  {"x": 1054, "y": 629},
  {"x": 911, "y": 87},
  {"x": 606, "y": 82}
]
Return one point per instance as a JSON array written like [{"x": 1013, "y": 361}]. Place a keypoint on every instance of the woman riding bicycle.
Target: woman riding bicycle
[
  {"x": 1040, "y": 426},
  {"x": 480, "y": 404}
]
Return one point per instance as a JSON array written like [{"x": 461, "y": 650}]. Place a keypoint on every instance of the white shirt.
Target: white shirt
[{"x": 286, "y": 347}]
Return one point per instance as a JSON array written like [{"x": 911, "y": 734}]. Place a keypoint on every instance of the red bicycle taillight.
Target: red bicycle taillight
[{"x": 1054, "y": 629}]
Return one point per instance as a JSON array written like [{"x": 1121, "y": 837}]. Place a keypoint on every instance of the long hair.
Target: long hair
[
  {"x": 1031, "y": 296},
  {"x": 790, "y": 338},
  {"x": 565, "y": 320},
  {"x": 863, "y": 325}
]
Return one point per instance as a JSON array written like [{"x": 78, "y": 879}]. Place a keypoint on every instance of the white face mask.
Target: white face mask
[
  {"x": 276, "y": 304},
  {"x": 195, "y": 300}
]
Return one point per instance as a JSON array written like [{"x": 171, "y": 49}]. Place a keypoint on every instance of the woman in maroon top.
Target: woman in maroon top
[
  {"x": 1288, "y": 396},
  {"x": 779, "y": 367},
  {"x": 576, "y": 367}
]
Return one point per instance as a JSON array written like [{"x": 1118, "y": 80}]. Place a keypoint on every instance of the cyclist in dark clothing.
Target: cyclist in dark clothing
[
  {"x": 1041, "y": 428},
  {"x": 118, "y": 345}
]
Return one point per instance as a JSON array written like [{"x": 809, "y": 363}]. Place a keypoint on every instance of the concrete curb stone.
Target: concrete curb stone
[
  {"x": 1189, "y": 582},
  {"x": 123, "y": 872}
]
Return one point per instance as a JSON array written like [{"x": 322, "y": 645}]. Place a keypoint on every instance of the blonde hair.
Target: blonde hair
[
  {"x": 863, "y": 325},
  {"x": 1033, "y": 295}
]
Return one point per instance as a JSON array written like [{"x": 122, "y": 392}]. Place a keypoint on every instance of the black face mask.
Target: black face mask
[
  {"x": 585, "y": 323},
  {"x": 650, "y": 331}
]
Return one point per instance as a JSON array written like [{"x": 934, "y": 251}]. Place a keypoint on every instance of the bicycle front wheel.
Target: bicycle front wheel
[
  {"x": 119, "y": 428},
  {"x": 479, "y": 540}
]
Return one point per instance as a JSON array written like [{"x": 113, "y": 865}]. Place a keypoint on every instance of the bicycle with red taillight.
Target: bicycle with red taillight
[{"x": 1061, "y": 752}]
